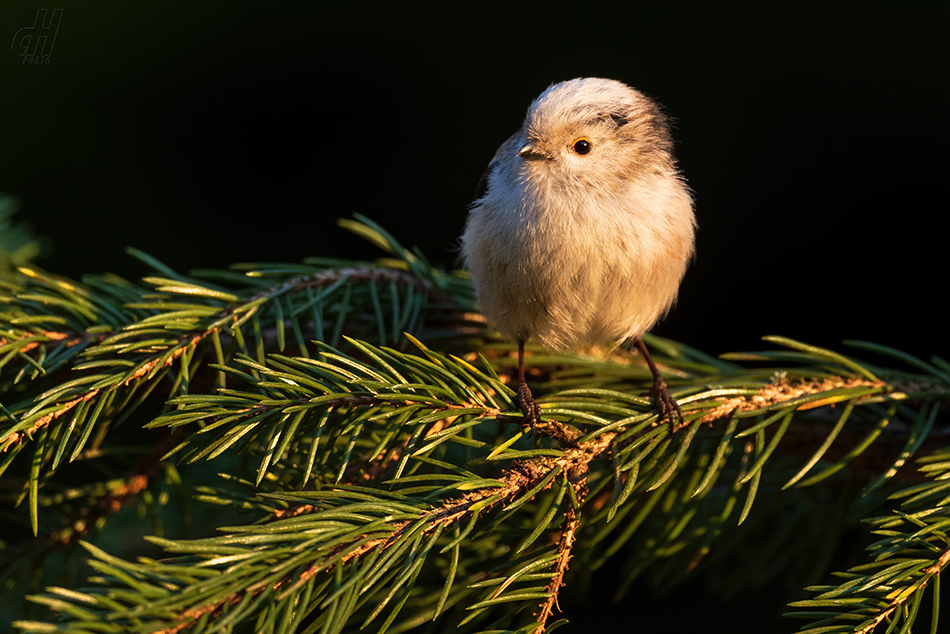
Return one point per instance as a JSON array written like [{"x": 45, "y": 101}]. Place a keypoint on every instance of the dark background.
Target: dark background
[{"x": 211, "y": 133}]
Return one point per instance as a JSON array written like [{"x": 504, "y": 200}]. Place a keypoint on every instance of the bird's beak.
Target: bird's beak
[{"x": 530, "y": 152}]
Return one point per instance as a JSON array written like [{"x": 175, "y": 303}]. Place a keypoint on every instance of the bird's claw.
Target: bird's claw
[
  {"x": 666, "y": 404},
  {"x": 529, "y": 407}
]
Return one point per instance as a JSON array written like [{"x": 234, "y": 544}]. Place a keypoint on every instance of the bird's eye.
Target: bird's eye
[{"x": 582, "y": 146}]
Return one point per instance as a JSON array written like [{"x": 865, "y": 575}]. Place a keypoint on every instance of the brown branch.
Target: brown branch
[
  {"x": 521, "y": 477},
  {"x": 565, "y": 546},
  {"x": 50, "y": 336},
  {"x": 64, "y": 408},
  {"x": 447, "y": 513},
  {"x": 578, "y": 479},
  {"x": 134, "y": 482},
  {"x": 930, "y": 572},
  {"x": 191, "y": 339},
  {"x": 783, "y": 391}
]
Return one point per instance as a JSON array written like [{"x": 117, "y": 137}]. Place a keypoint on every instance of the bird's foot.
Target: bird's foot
[
  {"x": 529, "y": 407},
  {"x": 666, "y": 404}
]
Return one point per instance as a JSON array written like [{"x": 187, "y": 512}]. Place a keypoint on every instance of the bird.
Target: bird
[{"x": 582, "y": 227}]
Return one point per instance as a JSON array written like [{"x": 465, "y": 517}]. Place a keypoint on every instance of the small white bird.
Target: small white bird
[{"x": 582, "y": 228}]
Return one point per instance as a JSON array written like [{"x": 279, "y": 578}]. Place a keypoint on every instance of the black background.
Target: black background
[{"x": 211, "y": 133}]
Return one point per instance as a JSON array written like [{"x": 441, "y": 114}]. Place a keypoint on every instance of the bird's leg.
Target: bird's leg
[
  {"x": 529, "y": 407},
  {"x": 669, "y": 408}
]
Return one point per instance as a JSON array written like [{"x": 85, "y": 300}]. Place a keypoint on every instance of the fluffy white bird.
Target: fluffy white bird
[{"x": 583, "y": 227}]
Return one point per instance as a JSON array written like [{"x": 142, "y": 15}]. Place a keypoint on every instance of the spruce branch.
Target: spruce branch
[
  {"x": 578, "y": 482},
  {"x": 907, "y": 561},
  {"x": 370, "y": 483},
  {"x": 417, "y": 391},
  {"x": 143, "y": 345}
]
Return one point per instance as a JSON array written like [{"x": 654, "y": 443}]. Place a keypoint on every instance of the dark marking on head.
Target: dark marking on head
[
  {"x": 619, "y": 118},
  {"x": 615, "y": 118}
]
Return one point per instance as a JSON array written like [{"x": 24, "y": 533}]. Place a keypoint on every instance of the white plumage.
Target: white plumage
[{"x": 576, "y": 244}]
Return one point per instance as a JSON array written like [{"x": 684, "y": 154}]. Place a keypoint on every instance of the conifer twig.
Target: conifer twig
[
  {"x": 565, "y": 547},
  {"x": 929, "y": 573},
  {"x": 784, "y": 391}
]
